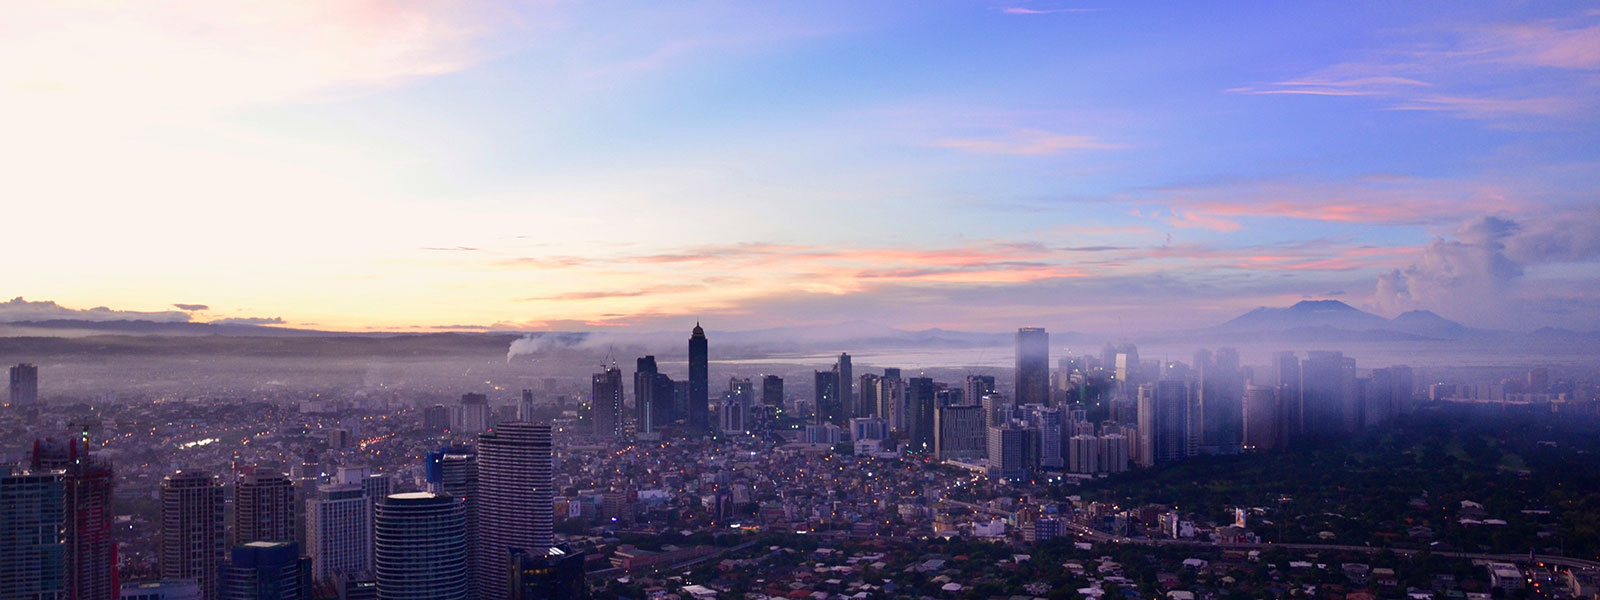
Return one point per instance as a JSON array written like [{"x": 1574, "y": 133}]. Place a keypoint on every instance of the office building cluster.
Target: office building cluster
[{"x": 268, "y": 534}]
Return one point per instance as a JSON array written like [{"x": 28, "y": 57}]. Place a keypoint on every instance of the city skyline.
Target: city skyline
[{"x": 955, "y": 165}]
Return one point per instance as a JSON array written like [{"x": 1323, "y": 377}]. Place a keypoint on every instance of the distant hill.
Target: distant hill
[
  {"x": 1306, "y": 314},
  {"x": 1329, "y": 320},
  {"x": 81, "y": 328}
]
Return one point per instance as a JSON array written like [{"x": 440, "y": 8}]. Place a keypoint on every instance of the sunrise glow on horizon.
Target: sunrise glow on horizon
[{"x": 966, "y": 165}]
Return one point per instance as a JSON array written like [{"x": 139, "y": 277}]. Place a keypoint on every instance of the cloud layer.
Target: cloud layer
[{"x": 17, "y": 309}]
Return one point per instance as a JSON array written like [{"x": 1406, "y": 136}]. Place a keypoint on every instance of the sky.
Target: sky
[{"x": 1092, "y": 167}]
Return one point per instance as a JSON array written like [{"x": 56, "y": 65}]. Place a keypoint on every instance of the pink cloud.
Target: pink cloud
[
  {"x": 1386, "y": 200},
  {"x": 1018, "y": 10},
  {"x": 1485, "y": 73},
  {"x": 1026, "y": 142}
]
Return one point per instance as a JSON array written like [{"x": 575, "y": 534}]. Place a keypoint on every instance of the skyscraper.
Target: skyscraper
[
  {"x": 867, "y": 395},
  {"x": 845, "y": 375},
  {"x": 263, "y": 507},
  {"x": 1010, "y": 450},
  {"x": 91, "y": 558},
  {"x": 921, "y": 402},
  {"x": 515, "y": 501},
  {"x": 892, "y": 401},
  {"x": 1126, "y": 369},
  {"x": 193, "y": 538},
  {"x": 698, "y": 415},
  {"x": 1286, "y": 375},
  {"x": 454, "y": 471},
  {"x": 645, "y": 413},
  {"x": 606, "y": 407},
  {"x": 421, "y": 549},
  {"x": 772, "y": 390},
  {"x": 1083, "y": 454},
  {"x": 1048, "y": 422},
  {"x": 24, "y": 385},
  {"x": 1221, "y": 391},
  {"x": 1262, "y": 418},
  {"x": 436, "y": 418},
  {"x": 266, "y": 571},
  {"x": 1163, "y": 422},
  {"x": 1328, "y": 394},
  {"x": 959, "y": 433},
  {"x": 733, "y": 414},
  {"x": 977, "y": 387},
  {"x": 339, "y": 531},
  {"x": 1033, "y": 366},
  {"x": 653, "y": 392},
  {"x": 32, "y": 534},
  {"x": 525, "y": 406},
  {"x": 1538, "y": 380},
  {"x": 474, "y": 413},
  {"x": 828, "y": 406}
]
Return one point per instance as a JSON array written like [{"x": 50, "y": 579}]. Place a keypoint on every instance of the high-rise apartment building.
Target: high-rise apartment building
[
  {"x": 1012, "y": 451},
  {"x": 1049, "y": 423},
  {"x": 1083, "y": 454},
  {"x": 977, "y": 387},
  {"x": 525, "y": 406},
  {"x": 339, "y": 531},
  {"x": 263, "y": 507},
  {"x": 474, "y": 413},
  {"x": 516, "y": 509},
  {"x": 91, "y": 558},
  {"x": 605, "y": 408},
  {"x": 436, "y": 418},
  {"x": 33, "y": 534},
  {"x": 193, "y": 534},
  {"x": 24, "y": 385},
  {"x": 959, "y": 433},
  {"x": 421, "y": 549},
  {"x": 1033, "y": 366}
]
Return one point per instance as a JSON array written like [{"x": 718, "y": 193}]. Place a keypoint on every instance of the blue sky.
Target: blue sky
[{"x": 977, "y": 165}]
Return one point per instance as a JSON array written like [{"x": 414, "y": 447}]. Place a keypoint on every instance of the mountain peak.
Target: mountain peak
[
  {"x": 1309, "y": 305},
  {"x": 1307, "y": 313}
]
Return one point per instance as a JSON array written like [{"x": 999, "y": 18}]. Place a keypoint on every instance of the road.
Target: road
[
  {"x": 618, "y": 572},
  {"x": 1095, "y": 535}
]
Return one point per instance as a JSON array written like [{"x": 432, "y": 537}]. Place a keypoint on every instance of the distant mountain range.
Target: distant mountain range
[
  {"x": 1332, "y": 320},
  {"x": 1305, "y": 321}
]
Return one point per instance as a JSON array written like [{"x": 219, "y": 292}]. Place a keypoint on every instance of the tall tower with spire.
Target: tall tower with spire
[{"x": 699, "y": 381}]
